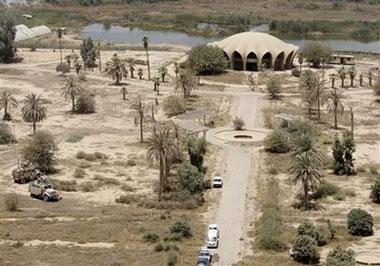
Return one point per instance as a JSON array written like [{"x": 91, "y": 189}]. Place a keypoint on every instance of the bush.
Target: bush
[
  {"x": 324, "y": 190},
  {"x": 314, "y": 51},
  {"x": 81, "y": 155},
  {"x": 375, "y": 192},
  {"x": 340, "y": 257},
  {"x": 159, "y": 247},
  {"x": 127, "y": 188},
  {"x": 64, "y": 68},
  {"x": 306, "y": 250},
  {"x": 151, "y": 237},
  {"x": 40, "y": 151},
  {"x": 6, "y": 135},
  {"x": 191, "y": 180},
  {"x": 82, "y": 76},
  {"x": 269, "y": 237},
  {"x": 8, "y": 33},
  {"x": 88, "y": 186},
  {"x": 79, "y": 173},
  {"x": 197, "y": 148},
  {"x": 359, "y": 223},
  {"x": 238, "y": 123},
  {"x": 74, "y": 137},
  {"x": 296, "y": 73},
  {"x": 85, "y": 103},
  {"x": 342, "y": 151},
  {"x": 205, "y": 59},
  {"x": 321, "y": 234},
  {"x": 174, "y": 105},
  {"x": 171, "y": 258},
  {"x": 373, "y": 169},
  {"x": 277, "y": 141},
  {"x": 181, "y": 227},
  {"x": 273, "y": 86},
  {"x": 11, "y": 202},
  {"x": 126, "y": 199},
  {"x": 63, "y": 185}
]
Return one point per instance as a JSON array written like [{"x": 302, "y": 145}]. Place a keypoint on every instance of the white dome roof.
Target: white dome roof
[{"x": 257, "y": 42}]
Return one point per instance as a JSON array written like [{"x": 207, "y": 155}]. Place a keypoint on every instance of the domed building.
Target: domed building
[{"x": 252, "y": 51}]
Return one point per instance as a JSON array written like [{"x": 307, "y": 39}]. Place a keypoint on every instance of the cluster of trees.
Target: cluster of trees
[{"x": 7, "y": 37}]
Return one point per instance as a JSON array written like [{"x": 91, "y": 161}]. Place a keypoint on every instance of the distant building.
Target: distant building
[
  {"x": 342, "y": 59},
  {"x": 253, "y": 51}
]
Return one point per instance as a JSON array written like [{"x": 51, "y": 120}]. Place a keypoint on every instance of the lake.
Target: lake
[{"x": 119, "y": 34}]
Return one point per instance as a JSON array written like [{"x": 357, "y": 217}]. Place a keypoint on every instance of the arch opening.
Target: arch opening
[
  {"x": 251, "y": 62},
  {"x": 279, "y": 62},
  {"x": 237, "y": 61},
  {"x": 266, "y": 61},
  {"x": 228, "y": 59},
  {"x": 289, "y": 60}
]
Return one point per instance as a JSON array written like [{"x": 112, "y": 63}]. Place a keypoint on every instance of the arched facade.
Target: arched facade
[{"x": 253, "y": 51}]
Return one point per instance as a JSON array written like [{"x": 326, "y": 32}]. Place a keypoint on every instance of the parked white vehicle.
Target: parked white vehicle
[
  {"x": 213, "y": 236},
  {"x": 217, "y": 181}
]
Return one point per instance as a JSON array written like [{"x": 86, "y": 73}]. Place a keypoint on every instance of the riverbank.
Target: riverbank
[{"x": 354, "y": 24}]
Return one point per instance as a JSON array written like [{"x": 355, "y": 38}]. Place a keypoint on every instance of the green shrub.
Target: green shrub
[
  {"x": 171, "y": 259},
  {"x": 340, "y": 257},
  {"x": 181, "y": 227},
  {"x": 238, "y": 123},
  {"x": 64, "y": 185},
  {"x": 340, "y": 196},
  {"x": 174, "y": 105},
  {"x": 269, "y": 229},
  {"x": 151, "y": 237},
  {"x": 100, "y": 155},
  {"x": 74, "y": 137},
  {"x": 324, "y": 190},
  {"x": 277, "y": 141},
  {"x": 88, "y": 186},
  {"x": 320, "y": 234},
  {"x": 40, "y": 151},
  {"x": 11, "y": 202},
  {"x": 64, "y": 68},
  {"x": 296, "y": 73},
  {"x": 190, "y": 179},
  {"x": 305, "y": 250},
  {"x": 359, "y": 223},
  {"x": 375, "y": 192},
  {"x": 314, "y": 51},
  {"x": 373, "y": 169},
  {"x": 127, "y": 199},
  {"x": 127, "y": 188},
  {"x": 273, "y": 86},
  {"x": 197, "y": 148},
  {"x": 159, "y": 247},
  {"x": 6, "y": 135},
  {"x": 206, "y": 60},
  {"x": 79, "y": 173},
  {"x": 85, "y": 103},
  {"x": 81, "y": 155}
]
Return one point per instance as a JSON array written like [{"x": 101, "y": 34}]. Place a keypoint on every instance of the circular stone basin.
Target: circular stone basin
[
  {"x": 252, "y": 136},
  {"x": 368, "y": 258}
]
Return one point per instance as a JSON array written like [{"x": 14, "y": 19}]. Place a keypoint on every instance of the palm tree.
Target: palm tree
[
  {"x": 309, "y": 89},
  {"x": 156, "y": 85},
  {"x": 159, "y": 145},
  {"x": 60, "y": 33},
  {"x": 140, "y": 73},
  {"x": 33, "y": 110},
  {"x": 306, "y": 169},
  {"x": 116, "y": 69},
  {"x": 163, "y": 72},
  {"x": 335, "y": 105},
  {"x": 7, "y": 101},
  {"x": 145, "y": 41},
  {"x": 131, "y": 69},
  {"x": 142, "y": 115},
  {"x": 71, "y": 90},
  {"x": 352, "y": 73},
  {"x": 342, "y": 75},
  {"x": 186, "y": 82},
  {"x": 124, "y": 92}
]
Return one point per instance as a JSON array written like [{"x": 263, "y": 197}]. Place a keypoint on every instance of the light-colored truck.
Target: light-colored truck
[{"x": 42, "y": 189}]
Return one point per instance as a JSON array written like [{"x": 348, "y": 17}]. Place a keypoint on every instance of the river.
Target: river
[{"x": 119, "y": 34}]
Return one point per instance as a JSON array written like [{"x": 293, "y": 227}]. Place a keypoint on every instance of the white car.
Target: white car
[
  {"x": 213, "y": 236},
  {"x": 217, "y": 181}
]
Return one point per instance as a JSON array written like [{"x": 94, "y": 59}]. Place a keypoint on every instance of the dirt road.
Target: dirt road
[{"x": 231, "y": 215}]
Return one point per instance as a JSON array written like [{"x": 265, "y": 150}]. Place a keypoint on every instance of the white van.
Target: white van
[{"x": 213, "y": 236}]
